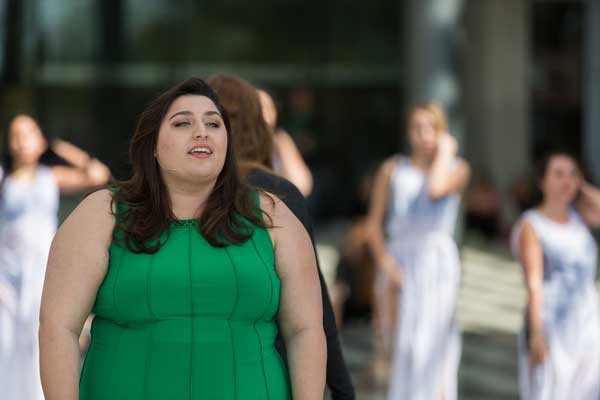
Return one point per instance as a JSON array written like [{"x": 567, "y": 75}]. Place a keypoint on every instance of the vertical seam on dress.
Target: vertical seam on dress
[
  {"x": 116, "y": 283},
  {"x": 262, "y": 361},
  {"x": 150, "y": 339},
  {"x": 149, "y": 342},
  {"x": 262, "y": 356},
  {"x": 148, "y": 290},
  {"x": 191, "y": 312},
  {"x": 233, "y": 309},
  {"x": 112, "y": 371},
  {"x": 266, "y": 267}
]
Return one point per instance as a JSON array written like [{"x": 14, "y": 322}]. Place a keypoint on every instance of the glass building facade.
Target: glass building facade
[{"x": 337, "y": 68}]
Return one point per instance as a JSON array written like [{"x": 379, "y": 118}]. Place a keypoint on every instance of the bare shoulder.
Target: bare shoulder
[
  {"x": 268, "y": 201},
  {"x": 387, "y": 166},
  {"x": 283, "y": 138},
  {"x": 384, "y": 173},
  {"x": 274, "y": 207},
  {"x": 284, "y": 224},
  {"x": 97, "y": 205},
  {"x": 527, "y": 235},
  {"x": 92, "y": 218}
]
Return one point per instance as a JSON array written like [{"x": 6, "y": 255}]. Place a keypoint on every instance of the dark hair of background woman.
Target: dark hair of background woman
[
  {"x": 143, "y": 207},
  {"x": 6, "y": 159},
  {"x": 541, "y": 168}
]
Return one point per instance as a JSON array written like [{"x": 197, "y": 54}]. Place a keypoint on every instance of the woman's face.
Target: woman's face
[
  {"x": 421, "y": 132},
  {"x": 25, "y": 141},
  {"x": 562, "y": 180},
  {"x": 192, "y": 140}
]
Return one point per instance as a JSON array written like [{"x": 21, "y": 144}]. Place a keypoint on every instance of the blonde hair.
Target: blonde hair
[{"x": 436, "y": 110}]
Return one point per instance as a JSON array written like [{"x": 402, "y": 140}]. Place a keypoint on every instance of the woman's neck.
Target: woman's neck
[
  {"x": 421, "y": 161},
  {"x": 188, "y": 199},
  {"x": 24, "y": 172},
  {"x": 555, "y": 211}
]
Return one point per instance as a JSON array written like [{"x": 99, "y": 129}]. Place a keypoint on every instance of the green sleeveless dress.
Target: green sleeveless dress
[{"x": 191, "y": 321}]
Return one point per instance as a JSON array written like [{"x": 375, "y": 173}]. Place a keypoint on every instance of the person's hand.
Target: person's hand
[
  {"x": 538, "y": 348},
  {"x": 392, "y": 271},
  {"x": 447, "y": 144},
  {"x": 56, "y": 143},
  {"x": 585, "y": 188},
  {"x": 97, "y": 173}
]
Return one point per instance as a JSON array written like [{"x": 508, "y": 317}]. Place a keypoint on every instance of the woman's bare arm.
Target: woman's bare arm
[
  {"x": 70, "y": 153},
  {"x": 588, "y": 205},
  {"x": 76, "y": 267},
  {"x": 300, "y": 310},
  {"x": 375, "y": 219},
  {"x": 84, "y": 172},
  {"x": 531, "y": 258},
  {"x": 445, "y": 176},
  {"x": 294, "y": 168}
]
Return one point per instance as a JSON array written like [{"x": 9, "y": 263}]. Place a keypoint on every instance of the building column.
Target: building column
[
  {"x": 430, "y": 41},
  {"x": 591, "y": 85},
  {"x": 497, "y": 91}
]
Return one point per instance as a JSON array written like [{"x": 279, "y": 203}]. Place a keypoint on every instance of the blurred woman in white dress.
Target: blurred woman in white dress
[
  {"x": 29, "y": 196},
  {"x": 559, "y": 347},
  {"x": 412, "y": 216}
]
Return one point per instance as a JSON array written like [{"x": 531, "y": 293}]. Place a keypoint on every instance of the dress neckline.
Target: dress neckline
[
  {"x": 410, "y": 163},
  {"x": 24, "y": 182},
  {"x": 183, "y": 222},
  {"x": 553, "y": 221}
]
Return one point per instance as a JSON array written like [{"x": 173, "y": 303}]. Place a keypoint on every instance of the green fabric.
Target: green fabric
[{"x": 190, "y": 322}]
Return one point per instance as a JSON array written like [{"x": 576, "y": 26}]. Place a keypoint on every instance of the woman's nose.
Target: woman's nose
[{"x": 200, "y": 132}]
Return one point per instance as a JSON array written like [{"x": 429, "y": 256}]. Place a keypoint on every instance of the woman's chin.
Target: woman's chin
[
  {"x": 427, "y": 152},
  {"x": 203, "y": 176},
  {"x": 565, "y": 199}
]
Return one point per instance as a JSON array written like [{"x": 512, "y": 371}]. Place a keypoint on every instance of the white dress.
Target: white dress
[
  {"x": 420, "y": 238},
  {"x": 28, "y": 220},
  {"x": 570, "y": 313}
]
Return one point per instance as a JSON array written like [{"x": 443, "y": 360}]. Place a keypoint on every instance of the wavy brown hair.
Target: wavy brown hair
[
  {"x": 142, "y": 205},
  {"x": 252, "y": 138}
]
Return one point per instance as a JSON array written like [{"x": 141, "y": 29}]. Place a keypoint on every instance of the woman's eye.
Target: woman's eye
[
  {"x": 181, "y": 123},
  {"x": 213, "y": 124}
]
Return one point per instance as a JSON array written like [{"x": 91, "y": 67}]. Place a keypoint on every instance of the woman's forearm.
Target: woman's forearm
[
  {"x": 59, "y": 362},
  {"x": 592, "y": 194},
  {"x": 307, "y": 357},
  {"x": 71, "y": 153},
  {"x": 534, "y": 312},
  {"x": 441, "y": 170},
  {"x": 383, "y": 258}
]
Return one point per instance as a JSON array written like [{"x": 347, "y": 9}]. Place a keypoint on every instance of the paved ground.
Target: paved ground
[{"x": 490, "y": 311}]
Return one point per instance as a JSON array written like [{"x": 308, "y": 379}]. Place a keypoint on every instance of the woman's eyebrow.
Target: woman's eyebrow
[
  {"x": 185, "y": 112},
  {"x": 212, "y": 113}
]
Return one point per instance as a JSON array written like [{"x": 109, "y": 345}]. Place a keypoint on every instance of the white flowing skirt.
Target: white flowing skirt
[
  {"x": 571, "y": 369},
  {"x": 427, "y": 345},
  {"x": 22, "y": 270}
]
